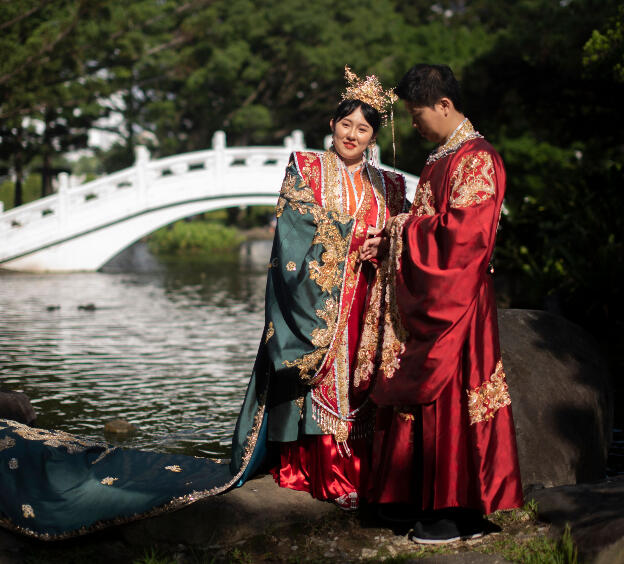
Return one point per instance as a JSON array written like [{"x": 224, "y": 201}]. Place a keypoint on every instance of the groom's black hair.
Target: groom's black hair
[
  {"x": 424, "y": 85},
  {"x": 347, "y": 107}
]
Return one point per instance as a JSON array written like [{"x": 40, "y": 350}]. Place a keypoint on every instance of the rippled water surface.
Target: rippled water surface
[{"x": 169, "y": 348}]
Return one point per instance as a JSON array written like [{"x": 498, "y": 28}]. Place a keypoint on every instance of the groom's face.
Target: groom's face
[{"x": 428, "y": 120}]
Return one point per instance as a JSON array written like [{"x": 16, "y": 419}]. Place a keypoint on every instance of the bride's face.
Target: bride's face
[{"x": 351, "y": 136}]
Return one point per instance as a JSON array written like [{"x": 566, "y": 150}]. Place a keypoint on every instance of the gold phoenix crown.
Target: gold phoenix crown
[{"x": 369, "y": 91}]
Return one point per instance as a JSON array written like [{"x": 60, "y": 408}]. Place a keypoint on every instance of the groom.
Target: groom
[{"x": 445, "y": 441}]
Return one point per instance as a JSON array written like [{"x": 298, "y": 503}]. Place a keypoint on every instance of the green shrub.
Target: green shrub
[{"x": 195, "y": 237}]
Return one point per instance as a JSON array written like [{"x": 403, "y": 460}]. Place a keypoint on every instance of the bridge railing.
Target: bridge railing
[
  {"x": 71, "y": 207},
  {"x": 148, "y": 183}
]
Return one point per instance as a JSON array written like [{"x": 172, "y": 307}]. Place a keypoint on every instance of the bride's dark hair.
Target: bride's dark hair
[{"x": 371, "y": 115}]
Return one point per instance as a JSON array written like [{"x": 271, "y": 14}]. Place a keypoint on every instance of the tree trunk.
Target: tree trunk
[
  {"x": 18, "y": 163},
  {"x": 46, "y": 163},
  {"x": 46, "y": 173}
]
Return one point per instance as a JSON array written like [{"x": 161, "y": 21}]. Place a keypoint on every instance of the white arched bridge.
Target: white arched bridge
[{"x": 81, "y": 227}]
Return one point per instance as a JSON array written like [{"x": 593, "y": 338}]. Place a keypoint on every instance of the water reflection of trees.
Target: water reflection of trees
[{"x": 238, "y": 277}]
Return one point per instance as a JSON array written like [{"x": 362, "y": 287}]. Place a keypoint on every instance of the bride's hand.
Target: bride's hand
[{"x": 375, "y": 247}]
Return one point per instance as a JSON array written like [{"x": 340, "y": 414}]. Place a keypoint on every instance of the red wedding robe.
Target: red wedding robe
[{"x": 447, "y": 437}]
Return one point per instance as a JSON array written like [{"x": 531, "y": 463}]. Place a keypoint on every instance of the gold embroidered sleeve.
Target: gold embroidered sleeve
[
  {"x": 424, "y": 201},
  {"x": 473, "y": 180}
]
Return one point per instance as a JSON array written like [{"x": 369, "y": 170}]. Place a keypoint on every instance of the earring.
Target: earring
[{"x": 373, "y": 153}]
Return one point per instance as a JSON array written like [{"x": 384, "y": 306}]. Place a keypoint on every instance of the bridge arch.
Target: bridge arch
[{"x": 82, "y": 227}]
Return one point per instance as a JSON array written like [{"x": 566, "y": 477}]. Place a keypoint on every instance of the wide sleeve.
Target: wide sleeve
[
  {"x": 305, "y": 281},
  {"x": 441, "y": 267}
]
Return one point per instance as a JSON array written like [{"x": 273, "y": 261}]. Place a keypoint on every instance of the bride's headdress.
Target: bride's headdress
[{"x": 369, "y": 90}]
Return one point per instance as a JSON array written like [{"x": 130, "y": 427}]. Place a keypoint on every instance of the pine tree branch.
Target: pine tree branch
[
  {"x": 23, "y": 16},
  {"x": 45, "y": 50}
]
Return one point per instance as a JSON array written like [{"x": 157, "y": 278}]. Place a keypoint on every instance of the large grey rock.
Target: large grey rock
[
  {"x": 16, "y": 406},
  {"x": 561, "y": 398},
  {"x": 595, "y": 514}
]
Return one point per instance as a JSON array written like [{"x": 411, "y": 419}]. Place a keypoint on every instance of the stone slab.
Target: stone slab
[
  {"x": 257, "y": 507},
  {"x": 595, "y": 513},
  {"x": 463, "y": 558}
]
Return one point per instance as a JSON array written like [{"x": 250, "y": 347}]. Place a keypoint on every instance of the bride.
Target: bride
[
  {"x": 306, "y": 415},
  {"x": 313, "y": 370}
]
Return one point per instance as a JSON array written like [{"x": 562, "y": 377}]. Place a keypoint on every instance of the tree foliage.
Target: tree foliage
[{"x": 543, "y": 80}]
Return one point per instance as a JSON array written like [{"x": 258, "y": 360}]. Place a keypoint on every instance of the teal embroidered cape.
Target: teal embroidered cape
[{"x": 54, "y": 485}]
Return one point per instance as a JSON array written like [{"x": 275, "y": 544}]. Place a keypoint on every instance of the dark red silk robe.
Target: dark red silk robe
[{"x": 446, "y": 437}]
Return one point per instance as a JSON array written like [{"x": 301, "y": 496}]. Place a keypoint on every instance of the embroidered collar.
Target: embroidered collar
[
  {"x": 464, "y": 132},
  {"x": 342, "y": 164}
]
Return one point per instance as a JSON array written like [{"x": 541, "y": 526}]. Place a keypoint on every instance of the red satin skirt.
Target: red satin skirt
[
  {"x": 396, "y": 470},
  {"x": 314, "y": 464}
]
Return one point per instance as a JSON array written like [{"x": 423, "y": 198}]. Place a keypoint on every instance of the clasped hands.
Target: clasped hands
[{"x": 376, "y": 245}]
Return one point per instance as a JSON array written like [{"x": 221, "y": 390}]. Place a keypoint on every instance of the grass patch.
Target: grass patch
[
  {"x": 536, "y": 550},
  {"x": 194, "y": 238},
  {"x": 152, "y": 557}
]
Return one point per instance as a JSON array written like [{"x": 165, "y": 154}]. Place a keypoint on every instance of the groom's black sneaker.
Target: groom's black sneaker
[
  {"x": 449, "y": 526},
  {"x": 435, "y": 531}
]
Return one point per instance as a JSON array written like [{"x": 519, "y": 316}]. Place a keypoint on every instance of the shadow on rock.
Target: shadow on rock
[{"x": 561, "y": 398}]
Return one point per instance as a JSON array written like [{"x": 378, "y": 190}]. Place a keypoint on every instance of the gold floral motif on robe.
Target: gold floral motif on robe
[
  {"x": 485, "y": 400},
  {"x": 472, "y": 181}
]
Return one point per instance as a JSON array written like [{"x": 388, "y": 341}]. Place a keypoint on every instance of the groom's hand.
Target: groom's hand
[{"x": 375, "y": 247}]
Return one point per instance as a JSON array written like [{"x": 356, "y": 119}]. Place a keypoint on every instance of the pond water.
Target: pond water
[{"x": 169, "y": 348}]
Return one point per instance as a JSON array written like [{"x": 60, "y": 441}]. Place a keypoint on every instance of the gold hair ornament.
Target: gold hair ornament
[{"x": 371, "y": 92}]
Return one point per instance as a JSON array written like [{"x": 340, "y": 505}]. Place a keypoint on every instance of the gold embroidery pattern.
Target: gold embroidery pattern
[
  {"x": 365, "y": 362},
  {"x": 329, "y": 274},
  {"x": 299, "y": 403},
  {"x": 424, "y": 202},
  {"x": 321, "y": 338},
  {"x": 404, "y": 413},
  {"x": 108, "y": 481},
  {"x": 332, "y": 189},
  {"x": 327, "y": 367},
  {"x": 173, "y": 468},
  {"x": 53, "y": 438},
  {"x": 472, "y": 181},
  {"x": 287, "y": 186},
  {"x": 104, "y": 454},
  {"x": 13, "y": 464},
  {"x": 27, "y": 511},
  {"x": 340, "y": 420},
  {"x": 252, "y": 439},
  {"x": 369, "y": 340},
  {"x": 395, "y": 335},
  {"x": 342, "y": 377},
  {"x": 6, "y": 442},
  {"x": 269, "y": 333},
  {"x": 291, "y": 266},
  {"x": 485, "y": 400},
  {"x": 174, "y": 504},
  {"x": 465, "y": 132}
]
